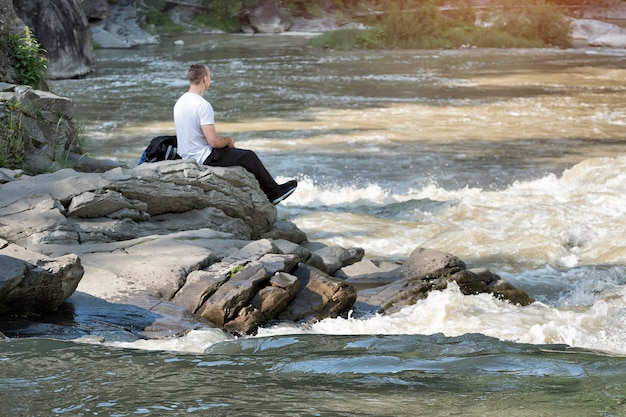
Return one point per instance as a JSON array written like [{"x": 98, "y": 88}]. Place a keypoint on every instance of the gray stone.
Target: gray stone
[
  {"x": 429, "y": 270},
  {"x": 274, "y": 263},
  {"x": 96, "y": 9},
  {"x": 32, "y": 283},
  {"x": 266, "y": 304},
  {"x": 266, "y": 18},
  {"x": 120, "y": 28},
  {"x": 320, "y": 296},
  {"x": 335, "y": 257},
  {"x": 597, "y": 33},
  {"x": 366, "y": 274},
  {"x": 285, "y": 230},
  {"x": 288, "y": 247},
  {"x": 233, "y": 295},
  {"x": 428, "y": 263}
]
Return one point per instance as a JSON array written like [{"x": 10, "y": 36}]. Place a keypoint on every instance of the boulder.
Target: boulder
[
  {"x": 255, "y": 285},
  {"x": 96, "y": 9},
  {"x": 31, "y": 283},
  {"x": 266, "y": 18},
  {"x": 41, "y": 127},
  {"x": 597, "y": 33},
  {"x": 330, "y": 259},
  {"x": 67, "y": 207},
  {"x": 63, "y": 31},
  {"x": 429, "y": 270},
  {"x": 173, "y": 235},
  {"x": 320, "y": 296},
  {"x": 119, "y": 27}
]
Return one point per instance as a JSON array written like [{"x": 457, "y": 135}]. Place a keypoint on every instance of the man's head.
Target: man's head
[{"x": 198, "y": 74}]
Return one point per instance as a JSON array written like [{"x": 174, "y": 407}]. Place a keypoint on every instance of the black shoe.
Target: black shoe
[{"x": 284, "y": 191}]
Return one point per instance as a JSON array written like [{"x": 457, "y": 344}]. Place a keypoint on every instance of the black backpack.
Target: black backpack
[{"x": 161, "y": 148}]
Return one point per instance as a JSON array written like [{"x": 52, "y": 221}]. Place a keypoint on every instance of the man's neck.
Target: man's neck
[{"x": 196, "y": 89}]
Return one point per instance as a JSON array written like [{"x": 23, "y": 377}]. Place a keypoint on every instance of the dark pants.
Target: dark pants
[{"x": 228, "y": 157}]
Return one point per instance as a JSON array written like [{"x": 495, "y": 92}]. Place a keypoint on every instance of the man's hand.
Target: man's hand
[
  {"x": 216, "y": 140},
  {"x": 230, "y": 141}
]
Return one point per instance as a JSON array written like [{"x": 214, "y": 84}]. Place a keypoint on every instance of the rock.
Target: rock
[
  {"x": 266, "y": 18},
  {"x": 62, "y": 30},
  {"x": 335, "y": 257},
  {"x": 366, "y": 274},
  {"x": 320, "y": 296},
  {"x": 428, "y": 270},
  {"x": 597, "y": 33},
  {"x": 285, "y": 230},
  {"x": 234, "y": 294},
  {"x": 506, "y": 291},
  {"x": 429, "y": 264},
  {"x": 286, "y": 246},
  {"x": 120, "y": 29},
  {"x": 47, "y": 133},
  {"x": 96, "y": 9},
  {"x": 182, "y": 236},
  {"x": 31, "y": 283},
  {"x": 244, "y": 290},
  {"x": 70, "y": 208}
]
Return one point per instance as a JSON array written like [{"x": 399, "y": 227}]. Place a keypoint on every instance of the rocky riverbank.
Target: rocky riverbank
[{"x": 166, "y": 247}]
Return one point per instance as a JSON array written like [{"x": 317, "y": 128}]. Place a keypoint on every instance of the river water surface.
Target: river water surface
[{"x": 512, "y": 160}]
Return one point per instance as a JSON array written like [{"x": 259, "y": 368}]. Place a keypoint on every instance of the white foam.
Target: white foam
[
  {"x": 196, "y": 341},
  {"x": 574, "y": 219},
  {"x": 599, "y": 326}
]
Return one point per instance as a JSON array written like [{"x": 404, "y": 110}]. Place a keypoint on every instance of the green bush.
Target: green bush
[
  {"x": 347, "y": 39},
  {"x": 535, "y": 20},
  {"x": 12, "y": 141},
  {"x": 419, "y": 24},
  {"x": 31, "y": 61}
]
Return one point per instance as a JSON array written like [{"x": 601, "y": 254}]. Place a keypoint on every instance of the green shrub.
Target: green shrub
[
  {"x": 419, "y": 24},
  {"x": 535, "y": 20},
  {"x": 31, "y": 61},
  {"x": 12, "y": 141}
]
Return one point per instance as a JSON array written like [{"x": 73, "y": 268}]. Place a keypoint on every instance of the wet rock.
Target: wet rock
[
  {"x": 234, "y": 294},
  {"x": 320, "y": 296},
  {"x": 424, "y": 271},
  {"x": 255, "y": 285},
  {"x": 175, "y": 235},
  {"x": 367, "y": 274}
]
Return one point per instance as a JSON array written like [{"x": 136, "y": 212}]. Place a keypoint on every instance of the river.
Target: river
[{"x": 512, "y": 160}]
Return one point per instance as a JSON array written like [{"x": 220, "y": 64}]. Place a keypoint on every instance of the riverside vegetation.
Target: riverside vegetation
[{"x": 409, "y": 24}]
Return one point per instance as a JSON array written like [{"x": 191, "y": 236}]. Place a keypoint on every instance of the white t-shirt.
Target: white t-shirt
[{"x": 191, "y": 111}]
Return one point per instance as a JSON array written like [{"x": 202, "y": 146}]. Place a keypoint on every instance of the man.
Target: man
[{"x": 198, "y": 139}]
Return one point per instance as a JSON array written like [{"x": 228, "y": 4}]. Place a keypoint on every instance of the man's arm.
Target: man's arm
[{"x": 216, "y": 140}]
